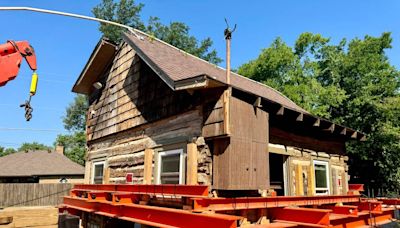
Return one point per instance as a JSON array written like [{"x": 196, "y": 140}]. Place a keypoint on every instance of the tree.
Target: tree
[
  {"x": 125, "y": 12},
  {"x": 74, "y": 146},
  {"x": 75, "y": 118},
  {"x": 75, "y": 121},
  {"x": 294, "y": 73},
  {"x": 6, "y": 151},
  {"x": 176, "y": 33},
  {"x": 33, "y": 146},
  {"x": 354, "y": 84}
]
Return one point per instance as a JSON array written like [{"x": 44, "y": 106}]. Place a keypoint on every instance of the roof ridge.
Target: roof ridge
[{"x": 214, "y": 65}]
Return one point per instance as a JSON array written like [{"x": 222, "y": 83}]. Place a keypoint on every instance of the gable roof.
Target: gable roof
[
  {"x": 181, "y": 70},
  {"x": 97, "y": 64},
  {"x": 175, "y": 65},
  {"x": 38, "y": 163}
]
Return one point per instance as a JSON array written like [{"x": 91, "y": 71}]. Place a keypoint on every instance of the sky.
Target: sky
[{"x": 63, "y": 45}]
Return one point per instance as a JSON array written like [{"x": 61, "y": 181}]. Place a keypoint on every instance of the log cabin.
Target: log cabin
[{"x": 159, "y": 115}]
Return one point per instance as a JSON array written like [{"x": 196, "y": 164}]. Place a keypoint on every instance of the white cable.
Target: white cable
[{"x": 69, "y": 15}]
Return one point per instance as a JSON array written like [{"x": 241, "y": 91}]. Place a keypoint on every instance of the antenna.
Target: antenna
[{"x": 228, "y": 92}]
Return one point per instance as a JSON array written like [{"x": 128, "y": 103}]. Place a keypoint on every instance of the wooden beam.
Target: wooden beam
[
  {"x": 299, "y": 180},
  {"x": 344, "y": 131},
  {"x": 300, "y": 117},
  {"x": 317, "y": 122},
  {"x": 148, "y": 166},
  {"x": 226, "y": 104},
  {"x": 311, "y": 181},
  {"x": 354, "y": 135},
  {"x": 281, "y": 111},
  {"x": 191, "y": 173},
  {"x": 363, "y": 138},
  {"x": 257, "y": 103},
  {"x": 331, "y": 128}
]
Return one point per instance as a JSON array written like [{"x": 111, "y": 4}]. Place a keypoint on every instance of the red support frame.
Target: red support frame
[
  {"x": 125, "y": 202},
  {"x": 227, "y": 204},
  {"x": 148, "y": 189},
  {"x": 151, "y": 215},
  {"x": 302, "y": 216}
]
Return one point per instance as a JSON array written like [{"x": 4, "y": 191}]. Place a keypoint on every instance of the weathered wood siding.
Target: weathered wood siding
[
  {"x": 132, "y": 95},
  {"x": 137, "y": 110},
  {"x": 32, "y": 194},
  {"x": 213, "y": 114},
  {"x": 241, "y": 161}
]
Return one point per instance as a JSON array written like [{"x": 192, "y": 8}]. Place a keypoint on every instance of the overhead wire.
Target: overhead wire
[{"x": 31, "y": 129}]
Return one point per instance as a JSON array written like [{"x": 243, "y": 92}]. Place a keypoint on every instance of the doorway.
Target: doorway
[{"x": 277, "y": 168}]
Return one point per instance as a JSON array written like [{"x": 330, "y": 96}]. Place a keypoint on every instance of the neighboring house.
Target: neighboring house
[
  {"x": 40, "y": 167},
  {"x": 159, "y": 115}
]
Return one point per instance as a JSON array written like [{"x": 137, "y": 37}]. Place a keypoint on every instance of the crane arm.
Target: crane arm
[{"x": 11, "y": 54}]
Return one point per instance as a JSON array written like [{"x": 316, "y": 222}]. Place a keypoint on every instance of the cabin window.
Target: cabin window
[
  {"x": 170, "y": 167},
  {"x": 321, "y": 177},
  {"x": 98, "y": 172}
]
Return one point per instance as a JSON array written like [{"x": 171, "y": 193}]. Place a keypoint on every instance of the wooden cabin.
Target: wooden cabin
[{"x": 160, "y": 115}]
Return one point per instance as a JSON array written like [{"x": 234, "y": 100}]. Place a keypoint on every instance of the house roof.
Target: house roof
[
  {"x": 38, "y": 163},
  {"x": 175, "y": 65},
  {"x": 97, "y": 64},
  {"x": 181, "y": 70}
]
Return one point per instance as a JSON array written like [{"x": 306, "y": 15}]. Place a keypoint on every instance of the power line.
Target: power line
[
  {"x": 40, "y": 107},
  {"x": 30, "y": 129}
]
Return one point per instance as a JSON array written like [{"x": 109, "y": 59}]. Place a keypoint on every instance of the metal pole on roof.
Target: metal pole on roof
[
  {"x": 67, "y": 15},
  {"x": 228, "y": 92}
]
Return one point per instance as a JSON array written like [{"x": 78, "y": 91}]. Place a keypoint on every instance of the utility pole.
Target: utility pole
[{"x": 228, "y": 92}]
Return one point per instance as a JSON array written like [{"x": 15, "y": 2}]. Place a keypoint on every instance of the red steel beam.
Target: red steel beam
[
  {"x": 152, "y": 215},
  {"x": 167, "y": 189},
  {"x": 363, "y": 220},
  {"x": 343, "y": 210},
  {"x": 356, "y": 187},
  {"x": 394, "y": 202},
  {"x": 373, "y": 206},
  {"x": 225, "y": 204},
  {"x": 302, "y": 216}
]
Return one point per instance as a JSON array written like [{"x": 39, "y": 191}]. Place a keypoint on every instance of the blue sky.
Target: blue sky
[{"x": 63, "y": 44}]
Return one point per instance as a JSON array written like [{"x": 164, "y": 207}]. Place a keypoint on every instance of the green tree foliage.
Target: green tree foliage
[
  {"x": 354, "y": 84},
  {"x": 33, "y": 146},
  {"x": 75, "y": 121},
  {"x": 74, "y": 146},
  {"x": 6, "y": 151},
  {"x": 127, "y": 12},
  {"x": 75, "y": 118}
]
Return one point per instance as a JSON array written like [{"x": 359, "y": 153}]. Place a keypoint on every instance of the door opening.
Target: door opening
[{"x": 277, "y": 164}]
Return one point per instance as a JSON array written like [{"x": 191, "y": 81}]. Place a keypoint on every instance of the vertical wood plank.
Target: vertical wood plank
[
  {"x": 148, "y": 166},
  {"x": 226, "y": 97},
  {"x": 299, "y": 180},
  {"x": 191, "y": 173},
  {"x": 311, "y": 181}
]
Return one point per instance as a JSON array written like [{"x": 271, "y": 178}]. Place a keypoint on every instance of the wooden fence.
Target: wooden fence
[{"x": 15, "y": 195}]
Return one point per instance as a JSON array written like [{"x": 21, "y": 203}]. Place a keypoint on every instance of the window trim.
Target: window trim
[
  {"x": 179, "y": 151},
  {"x": 328, "y": 183},
  {"x": 93, "y": 169}
]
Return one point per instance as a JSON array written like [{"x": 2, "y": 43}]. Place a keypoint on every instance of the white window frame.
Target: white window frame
[
  {"x": 93, "y": 169},
  {"x": 327, "y": 189},
  {"x": 181, "y": 164}
]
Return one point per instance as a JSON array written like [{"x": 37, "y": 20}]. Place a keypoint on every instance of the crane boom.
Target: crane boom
[{"x": 11, "y": 54}]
